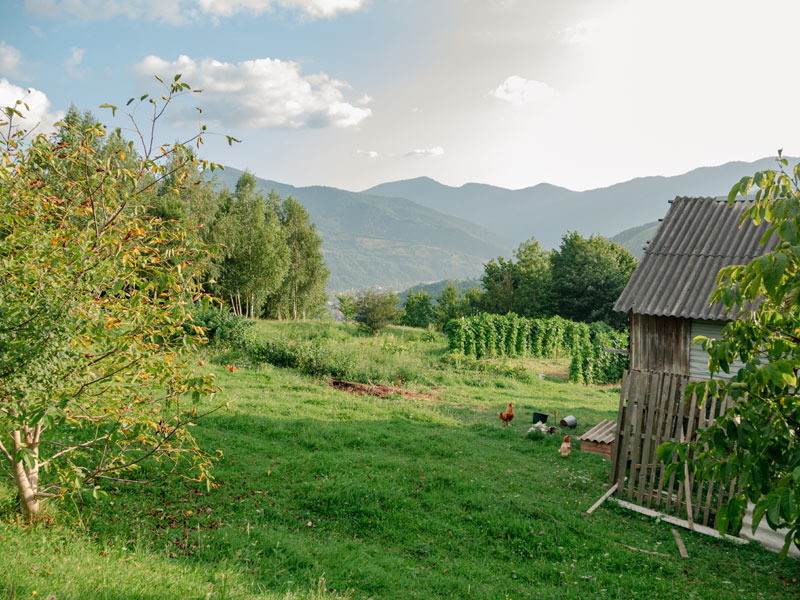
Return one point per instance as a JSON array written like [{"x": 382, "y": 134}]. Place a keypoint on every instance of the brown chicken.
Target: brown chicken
[
  {"x": 506, "y": 417},
  {"x": 565, "y": 447}
]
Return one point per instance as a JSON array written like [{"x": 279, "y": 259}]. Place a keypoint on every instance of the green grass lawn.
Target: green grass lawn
[{"x": 325, "y": 494}]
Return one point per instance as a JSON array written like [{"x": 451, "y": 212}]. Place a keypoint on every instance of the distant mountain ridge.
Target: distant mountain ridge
[
  {"x": 636, "y": 238},
  {"x": 389, "y": 242},
  {"x": 547, "y": 211},
  {"x": 403, "y": 233}
]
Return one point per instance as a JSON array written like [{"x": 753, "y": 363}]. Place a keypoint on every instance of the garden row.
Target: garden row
[{"x": 487, "y": 335}]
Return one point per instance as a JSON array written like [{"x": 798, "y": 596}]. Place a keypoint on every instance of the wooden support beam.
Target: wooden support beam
[
  {"x": 640, "y": 550},
  {"x": 603, "y": 498},
  {"x": 676, "y": 521},
  {"x": 679, "y": 541}
]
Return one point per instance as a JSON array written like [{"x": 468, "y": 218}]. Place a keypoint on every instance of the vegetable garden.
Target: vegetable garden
[{"x": 487, "y": 336}]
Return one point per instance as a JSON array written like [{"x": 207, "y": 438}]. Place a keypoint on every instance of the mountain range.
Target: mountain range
[
  {"x": 403, "y": 233},
  {"x": 395, "y": 243},
  {"x": 548, "y": 211}
]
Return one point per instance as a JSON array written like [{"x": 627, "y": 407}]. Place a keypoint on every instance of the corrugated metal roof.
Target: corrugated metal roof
[
  {"x": 605, "y": 432},
  {"x": 679, "y": 269}
]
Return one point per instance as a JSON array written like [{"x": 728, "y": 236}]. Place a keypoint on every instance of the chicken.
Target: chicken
[
  {"x": 506, "y": 417},
  {"x": 564, "y": 450}
]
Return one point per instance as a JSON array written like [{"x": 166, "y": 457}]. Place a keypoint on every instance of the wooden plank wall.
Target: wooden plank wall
[
  {"x": 660, "y": 344},
  {"x": 653, "y": 409}
]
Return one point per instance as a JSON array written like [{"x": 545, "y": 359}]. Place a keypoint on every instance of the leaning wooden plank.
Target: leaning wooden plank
[
  {"x": 681, "y": 407},
  {"x": 689, "y": 437},
  {"x": 651, "y": 401},
  {"x": 679, "y": 541},
  {"x": 603, "y": 498},
  {"x": 640, "y": 550},
  {"x": 636, "y": 437},
  {"x": 625, "y": 432},
  {"x": 667, "y": 408},
  {"x": 654, "y": 436},
  {"x": 708, "y": 420},
  {"x": 676, "y": 521},
  {"x": 623, "y": 394}
]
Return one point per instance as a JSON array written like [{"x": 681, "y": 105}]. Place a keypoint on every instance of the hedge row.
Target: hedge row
[{"x": 486, "y": 335}]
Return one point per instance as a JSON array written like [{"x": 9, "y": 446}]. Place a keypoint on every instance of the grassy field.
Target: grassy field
[{"x": 324, "y": 494}]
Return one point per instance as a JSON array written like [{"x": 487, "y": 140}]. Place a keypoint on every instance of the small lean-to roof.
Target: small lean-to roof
[
  {"x": 679, "y": 269},
  {"x": 605, "y": 432}
]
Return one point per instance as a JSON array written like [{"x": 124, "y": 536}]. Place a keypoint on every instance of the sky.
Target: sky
[{"x": 353, "y": 93}]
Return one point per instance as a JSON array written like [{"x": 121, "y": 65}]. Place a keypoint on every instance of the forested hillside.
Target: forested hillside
[
  {"x": 389, "y": 242},
  {"x": 635, "y": 239}
]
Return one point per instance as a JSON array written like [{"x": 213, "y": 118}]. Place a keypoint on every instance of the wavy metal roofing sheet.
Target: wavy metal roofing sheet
[
  {"x": 605, "y": 432},
  {"x": 679, "y": 269}
]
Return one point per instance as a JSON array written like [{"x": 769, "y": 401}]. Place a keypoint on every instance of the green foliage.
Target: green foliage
[
  {"x": 451, "y": 304},
  {"x": 592, "y": 363},
  {"x": 312, "y": 357},
  {"x": 522, "y": 287},
  {"x": 487, "y": 335},
  {"x": 755, "y": 443},
  {"x": 588, "y": 275},
  {"x": 417, "y": 310},
  {"x": 253, "y": 261},
  {"x": 94, "y": 327},
  {"x": 346, "y": 304},
  {"x": 220, "y": 325},
  {"x": 375, "y": 310},
  {"x": 301, "y": 293}
]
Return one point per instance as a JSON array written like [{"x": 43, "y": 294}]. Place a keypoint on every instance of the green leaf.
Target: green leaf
[
  {"x": 788, "y": 509},
  {"x": 772, "y": 510},
  {"x": 787, "y": 543},
  {"x": 111, "y": 106},
  {"x": 758, "y": 512}
]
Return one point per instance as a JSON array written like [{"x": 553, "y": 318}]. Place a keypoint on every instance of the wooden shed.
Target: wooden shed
[
  {"x": 667, "y": 304},
  {"x": 667, "y": 296},
  {"x": 600, "y": 439}
]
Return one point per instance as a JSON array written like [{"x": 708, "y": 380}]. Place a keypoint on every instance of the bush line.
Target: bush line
[{"x": 487, "y": 336}]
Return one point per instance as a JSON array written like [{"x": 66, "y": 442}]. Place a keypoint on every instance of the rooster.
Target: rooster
[
  {"x": 564, "y": 450},
  {"x": 506, "y": 417}
]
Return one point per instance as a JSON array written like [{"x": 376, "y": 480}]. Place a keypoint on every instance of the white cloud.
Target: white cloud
[
  {"x": 182, "y": 11},
  {"x": 261, "y": 93},
  {"x": 367, "y": 153},
  {"x": 38, "y": 115},
  {"x": 10, "y": 61},
  {"x": 518, "y": 91},
  {"x": 74, "y": 61},
  {"x": 435, "y": 151}
]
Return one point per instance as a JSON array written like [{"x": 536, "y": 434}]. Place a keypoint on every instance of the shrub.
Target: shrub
[
  {"x": 310, "y": 357},
  {"x": 375, "y": 310},
  {"x": 221, "y": 326},
  {"x": 486, "y": 335}
]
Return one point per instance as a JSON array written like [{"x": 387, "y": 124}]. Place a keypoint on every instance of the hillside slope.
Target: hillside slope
[
  {"x": 390, "y": 242},
  {"x": 636, "y": 238},
  {"x": 547, "y": 211}
]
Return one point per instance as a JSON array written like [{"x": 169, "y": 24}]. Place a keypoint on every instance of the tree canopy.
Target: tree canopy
[
  {"x": 94, "y": 327},
  {"x": 588, "y": 275},
  {"x": 580, "y": 281}
]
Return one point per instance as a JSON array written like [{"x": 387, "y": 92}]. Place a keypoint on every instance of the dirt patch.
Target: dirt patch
[{"x": 374, "y": 389}]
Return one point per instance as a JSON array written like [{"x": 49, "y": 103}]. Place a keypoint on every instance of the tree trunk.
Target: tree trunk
[
  {"x": 294, "y": 301},
  {"x": 27, "y": 478}
]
